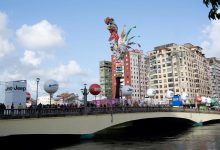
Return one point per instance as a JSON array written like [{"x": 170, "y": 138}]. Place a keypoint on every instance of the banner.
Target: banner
[{"x": 15, "y": 92}]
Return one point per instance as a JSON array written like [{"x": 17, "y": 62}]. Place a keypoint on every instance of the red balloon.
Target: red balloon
[
  {"x": 95, "y": 89},
  {"x": 198, "y": 98},
  {"x": 28, "y": 96}
]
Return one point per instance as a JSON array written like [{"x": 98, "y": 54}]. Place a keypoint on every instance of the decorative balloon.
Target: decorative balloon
[
  {"x": 208, "y": 100},
  {"x": 151, "y": 92},
  {"x": 95, "y": 89},
  {"x": 51, "y": 86},
  {"x": 204, "y": 99},
  {"x": 198, "y": 98},
  {"x": 170, "y": 94},
  {"x": 127, "y": 90},
  {"x": 56, "y": 98},
  {"x": 184, "y": 96},
  {"x": 28, "y": 96}
]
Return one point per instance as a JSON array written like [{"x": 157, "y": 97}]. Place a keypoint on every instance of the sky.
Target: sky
[{"x": 65, "y": 40}]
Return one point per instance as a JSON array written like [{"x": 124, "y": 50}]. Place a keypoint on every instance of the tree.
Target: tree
[{"x": 213, "y": 13}]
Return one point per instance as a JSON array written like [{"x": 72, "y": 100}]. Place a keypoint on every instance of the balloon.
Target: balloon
[
  {"x": 127, "y": 90},
  {"x": 208, "y": 100},
  {"x": 95, "y": 89},
  {"x": 151, "y": 92},
  {"x": 198, "y": 98},
  {"x": 204, "y": 100},
  {"x": 170, "y": 94},
  {"x": 28, "y": 96},
  {"x": 213, "y": 101},
  {"x": 184, "y": 96}
]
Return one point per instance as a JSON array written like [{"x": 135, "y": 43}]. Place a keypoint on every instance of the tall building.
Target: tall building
[
  {"x": 179, "y": 68},
  {"x": 105, "y": 74},
  {"x": 214, "y": 65},
  {"x": 134, "y": 74}
]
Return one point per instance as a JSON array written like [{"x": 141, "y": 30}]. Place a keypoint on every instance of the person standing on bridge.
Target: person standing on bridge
[
  {"x": 12, "y": 108},
  {"x": 19, "y": 108}
]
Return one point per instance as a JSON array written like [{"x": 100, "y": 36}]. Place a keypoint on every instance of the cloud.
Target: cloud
[
  {"x": 6, "y": 46},
  {"x": 42, "y": 35},
  {"x": 211, "y": 44},
  {"x": 63, "y": 72},
  {"x": 30, "y": 58},
  {"x": 3, "y": 21}
]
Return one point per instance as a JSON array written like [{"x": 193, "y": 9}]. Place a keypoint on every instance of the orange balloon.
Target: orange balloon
[{"x": 198, "y": 98}]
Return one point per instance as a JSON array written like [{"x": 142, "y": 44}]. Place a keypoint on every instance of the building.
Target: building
[
  {"x": 45, "y": 100},
  {"x": 134, "y": 74},
  {"x": 179, "y": 68},
  {"x": 105, "y": 74},
  {"x": 214, "y": 65}
]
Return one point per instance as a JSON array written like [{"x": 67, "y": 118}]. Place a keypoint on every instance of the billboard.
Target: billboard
[
  {"x": 176, "y": 101},
  {"x": 15, "y": 92}
]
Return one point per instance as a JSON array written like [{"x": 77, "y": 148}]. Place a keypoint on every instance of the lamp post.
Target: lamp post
[
  {"x": 38, "y": 80},
  {"x": 85, "y": 93}
]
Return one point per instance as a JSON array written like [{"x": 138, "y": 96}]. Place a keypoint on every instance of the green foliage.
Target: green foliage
[{"x": 213, "y": 13}]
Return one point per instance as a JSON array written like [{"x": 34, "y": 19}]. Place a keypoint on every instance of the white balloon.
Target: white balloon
[
  {"x": 170, "y": 94},
  {"x": 204, "y": 100},
  {"x": 51, "y": 86},
  {"x": 127, "y": 90},
  {"x": 184, "y": 96},
  {"x": 56, "y": 98},
  {"x": 208, "y": 100},
  {"x": 151, "y": 92}
]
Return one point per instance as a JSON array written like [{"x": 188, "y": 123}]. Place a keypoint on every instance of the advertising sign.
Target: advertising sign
[
  {"x": 176, "y": 101},
  {"x": 15, "y": 92}
]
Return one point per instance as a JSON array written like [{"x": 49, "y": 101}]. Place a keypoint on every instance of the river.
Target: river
[
  {"x": 195, "y": 138},
  {"x": 133, "y": 137}
]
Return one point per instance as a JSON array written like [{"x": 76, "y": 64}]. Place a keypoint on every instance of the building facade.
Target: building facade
[
  {"x": 105, "y": 74},
  {"x": 178, "y": 68},
  {"x": 214, "y": 65},
  {"x": 134, "y": 74}
]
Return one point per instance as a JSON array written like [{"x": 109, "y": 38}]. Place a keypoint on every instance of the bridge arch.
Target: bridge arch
[{"x": 89, "y": 124}]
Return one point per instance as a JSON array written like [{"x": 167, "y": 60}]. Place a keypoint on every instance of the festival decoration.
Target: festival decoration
[
  {"x": 28, "y": 96},
  {"x": 170, "y": 94},
  {"x": 184, "y": 96},
  {"x": 119, "y": 45},
  {"x": 198, "y": 98},
  {"x": 151, "y": 92},
  {"x": 126, "y": 90},
  {"x": 95, "y": 89}
]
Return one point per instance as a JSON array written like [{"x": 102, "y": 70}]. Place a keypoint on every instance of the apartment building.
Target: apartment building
[
  {"x": 214, "y": 65},
  {"x": 134, "y": 73},
  {"x": 105, "y": 74},
  {"x": 179, "y": 68}
]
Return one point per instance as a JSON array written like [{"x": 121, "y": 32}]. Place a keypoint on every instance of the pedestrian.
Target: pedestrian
[
  {"x": 19, "y": 108},
  {"x": 12, "y": 108}
]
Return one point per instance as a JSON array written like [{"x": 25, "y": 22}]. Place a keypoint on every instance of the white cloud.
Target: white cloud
[
  {"x": 63, "y": 72},
  {"x": 3, "y": 21},
  {"x": 6, "y": 46},
  {"x": 211, "y": 43},
  {"x": 30, "y": 58},
  {"x": 42, "y": 35}
]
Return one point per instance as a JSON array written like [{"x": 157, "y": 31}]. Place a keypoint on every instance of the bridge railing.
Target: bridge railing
[{"x": 53, "y": 112}]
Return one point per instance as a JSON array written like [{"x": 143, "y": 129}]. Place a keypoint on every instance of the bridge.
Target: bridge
[{"x": 75, "y": 121}]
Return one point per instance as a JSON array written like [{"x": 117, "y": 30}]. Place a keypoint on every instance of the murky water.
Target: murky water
[
  {"x": 195, "y": 138},
  {"x": 136, "y": 136}
]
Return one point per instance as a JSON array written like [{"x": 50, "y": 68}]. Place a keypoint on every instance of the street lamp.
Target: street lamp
[
  {"x": 85, "y": 93},
  {"x": 38, "y": 80}
]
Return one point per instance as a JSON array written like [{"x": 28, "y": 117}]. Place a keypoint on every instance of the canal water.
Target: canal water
[
  {"x": 162, "y": 134},
  {"x": 195, "y": 138}
]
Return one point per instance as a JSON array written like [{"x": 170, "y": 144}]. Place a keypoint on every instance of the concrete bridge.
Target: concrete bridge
[{"x": 97, "y": 119}]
